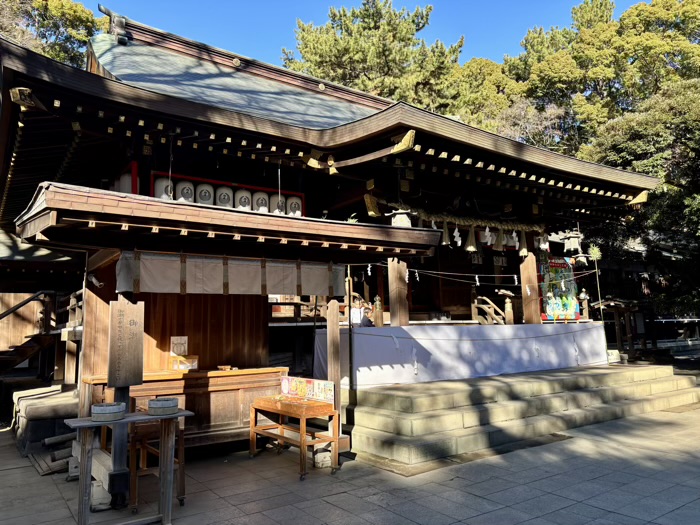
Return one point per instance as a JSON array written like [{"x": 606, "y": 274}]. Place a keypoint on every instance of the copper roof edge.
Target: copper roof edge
[{"x": 157, "y": 37}]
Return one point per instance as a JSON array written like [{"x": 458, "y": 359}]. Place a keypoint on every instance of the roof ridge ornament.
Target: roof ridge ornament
[{"x": 117, "y": 25}]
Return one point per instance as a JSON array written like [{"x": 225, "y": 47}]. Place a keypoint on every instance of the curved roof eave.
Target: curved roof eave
[{"x": 398, "y": 115}]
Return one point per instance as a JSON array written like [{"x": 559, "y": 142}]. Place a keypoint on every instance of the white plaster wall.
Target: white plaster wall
[{"x": 416, "y": 354}]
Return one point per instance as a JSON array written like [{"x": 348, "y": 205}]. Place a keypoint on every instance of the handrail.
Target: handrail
[
  {"x": 490, "y": 314},
  {"x": 25, "y": 302},
  {"x": 496, "y": 308}
]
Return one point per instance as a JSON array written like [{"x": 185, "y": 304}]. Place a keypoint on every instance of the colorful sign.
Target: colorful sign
[
  {"x": 558, "y": 289},
  {"x": 308, "y": 388}
]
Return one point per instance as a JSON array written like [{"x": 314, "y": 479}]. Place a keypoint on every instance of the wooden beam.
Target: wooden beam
[
  {"x": 102, "y": 258},
  {"x": 404, "y": 144}
]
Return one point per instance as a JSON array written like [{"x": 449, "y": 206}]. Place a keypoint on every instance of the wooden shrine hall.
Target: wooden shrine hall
[{"x": 218, "y": 190}]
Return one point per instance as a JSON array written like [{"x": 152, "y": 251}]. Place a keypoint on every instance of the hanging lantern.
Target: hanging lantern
[
  {"x": 567, "y": 244},
  {"x": 471, "y": 240},
  {"x": 572, "y": 242},
  {"x": 445, "y": 234},
  {"x": 544, "y": 242},
  {"x": 576, "y": 242},
  {"x": 523, "y": 245}
]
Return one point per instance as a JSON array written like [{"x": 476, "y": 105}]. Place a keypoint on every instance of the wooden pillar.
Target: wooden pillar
[
  {"x": 379, "y": 312},
  {"x": 94, "y": 310},
  {"x": 165, "y": 467},
  {"x": 509, "y": 311},
  {"x": 398, "y": 292},
  {"x": 618, "y": 331},
  {"x": 71, "y": 354},
  {"x": 530, "y": 290},
  {"x": 472, "y": 301},
  {"x": 333, "y": 348},
  {"x": 630, "y": 334},
  {"x": 59, "y": 367}
]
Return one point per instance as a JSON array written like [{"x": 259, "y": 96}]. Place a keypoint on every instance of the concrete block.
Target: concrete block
[
  {"x": 447, "y": 420},
  {"x": 429, "y": 450},
  {"x": 472, "y": 442}
]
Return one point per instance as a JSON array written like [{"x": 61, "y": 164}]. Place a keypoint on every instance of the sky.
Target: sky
[{"x": 260, "y": 29}]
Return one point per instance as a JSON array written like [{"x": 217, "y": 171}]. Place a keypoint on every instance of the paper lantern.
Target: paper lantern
[
  {"x": 294, "y": 206},
  {"x": 471, "y": 241},
  {"x": 123, "y": 184},
  {"x": 500, "y": 243},
  {"x": 224, "y": 197},
  {"x": 261, "y": 202},
  {"x": 163, "y": 189},
  {"x": 445, "y": 234},
  {"x": 278, "y": 204},
  {"x": 205, "y": 194},
  {"x": 243, "y": 200},
  {"x": 523, "y": 245},
  {"x": 184, "y": 191}
]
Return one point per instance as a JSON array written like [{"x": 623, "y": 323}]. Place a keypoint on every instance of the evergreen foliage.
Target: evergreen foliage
[
  {"x": 59, "y": 29},
  {"x": 621, "y": 92}
]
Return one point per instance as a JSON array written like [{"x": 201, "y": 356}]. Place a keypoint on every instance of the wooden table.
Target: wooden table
[
  {"x": 302, "y": 409},
  {"x": 87, "y": 429}
]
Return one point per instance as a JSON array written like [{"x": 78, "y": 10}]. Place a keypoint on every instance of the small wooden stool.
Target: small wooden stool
[{"x": 141, "y": 438}]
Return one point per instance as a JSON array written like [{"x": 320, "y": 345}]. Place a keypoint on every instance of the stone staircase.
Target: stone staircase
[{"x": 410, "y": 424}]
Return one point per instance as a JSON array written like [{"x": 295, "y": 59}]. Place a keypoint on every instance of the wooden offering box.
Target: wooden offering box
[{"x": 220, "y": 399}]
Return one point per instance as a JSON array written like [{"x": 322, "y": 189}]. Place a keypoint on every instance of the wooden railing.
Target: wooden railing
[
  {"x": 492, "y": 313},
  {"x": 29, "y": 314}
]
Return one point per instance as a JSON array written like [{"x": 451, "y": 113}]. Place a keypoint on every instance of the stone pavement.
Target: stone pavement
[{"x": 640, "y": 470}]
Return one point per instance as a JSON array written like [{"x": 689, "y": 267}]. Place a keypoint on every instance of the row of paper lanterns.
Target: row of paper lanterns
[{"x": 223, "y": 196}]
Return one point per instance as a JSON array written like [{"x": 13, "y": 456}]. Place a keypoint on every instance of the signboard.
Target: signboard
[
  {"x": 308, "y": 388},
  {"x": 125, "y": 343},
  {"x": 178, "y": 345},
  {"x": 558, "y": 290}
]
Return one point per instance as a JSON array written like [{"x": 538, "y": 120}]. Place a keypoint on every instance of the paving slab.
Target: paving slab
[{"x": 641, "y": 470}]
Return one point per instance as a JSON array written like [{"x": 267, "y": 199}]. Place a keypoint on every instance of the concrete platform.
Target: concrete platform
[{"x": 643, "y": 469}]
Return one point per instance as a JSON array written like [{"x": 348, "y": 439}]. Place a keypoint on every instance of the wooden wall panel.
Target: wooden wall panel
[
  {"x": 221, "y": 329},
  {"x": 15, "y": 328}
]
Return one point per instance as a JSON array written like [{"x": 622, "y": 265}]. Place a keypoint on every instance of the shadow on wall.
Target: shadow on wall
[{"x": 419, "y": 354}]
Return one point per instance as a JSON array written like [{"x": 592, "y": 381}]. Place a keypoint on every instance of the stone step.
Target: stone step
[
  {"x": 421, "y": 423},
  {"x": 413, "y": 450},
  {"x": 423, "y": 397}
]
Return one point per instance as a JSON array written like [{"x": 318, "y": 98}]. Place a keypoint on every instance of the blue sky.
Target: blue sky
[{"x": 260, "y": 29}]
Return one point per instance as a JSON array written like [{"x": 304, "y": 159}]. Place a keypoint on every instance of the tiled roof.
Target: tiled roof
[{"x": 170, "y": 73}]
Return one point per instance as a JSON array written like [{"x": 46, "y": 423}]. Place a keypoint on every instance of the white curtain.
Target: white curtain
[
  {"x": 281, "y": 278},
  {"x": 163, "y": 273},
  {"x": 315, "y": 279},
  {"x": 160, "y": 273},
  {"x": 244, "y": 277},
  {"x": 126, "y": 271},
  {"x": 205, "y": 275},
  {"x": 338, "y": 280}
]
